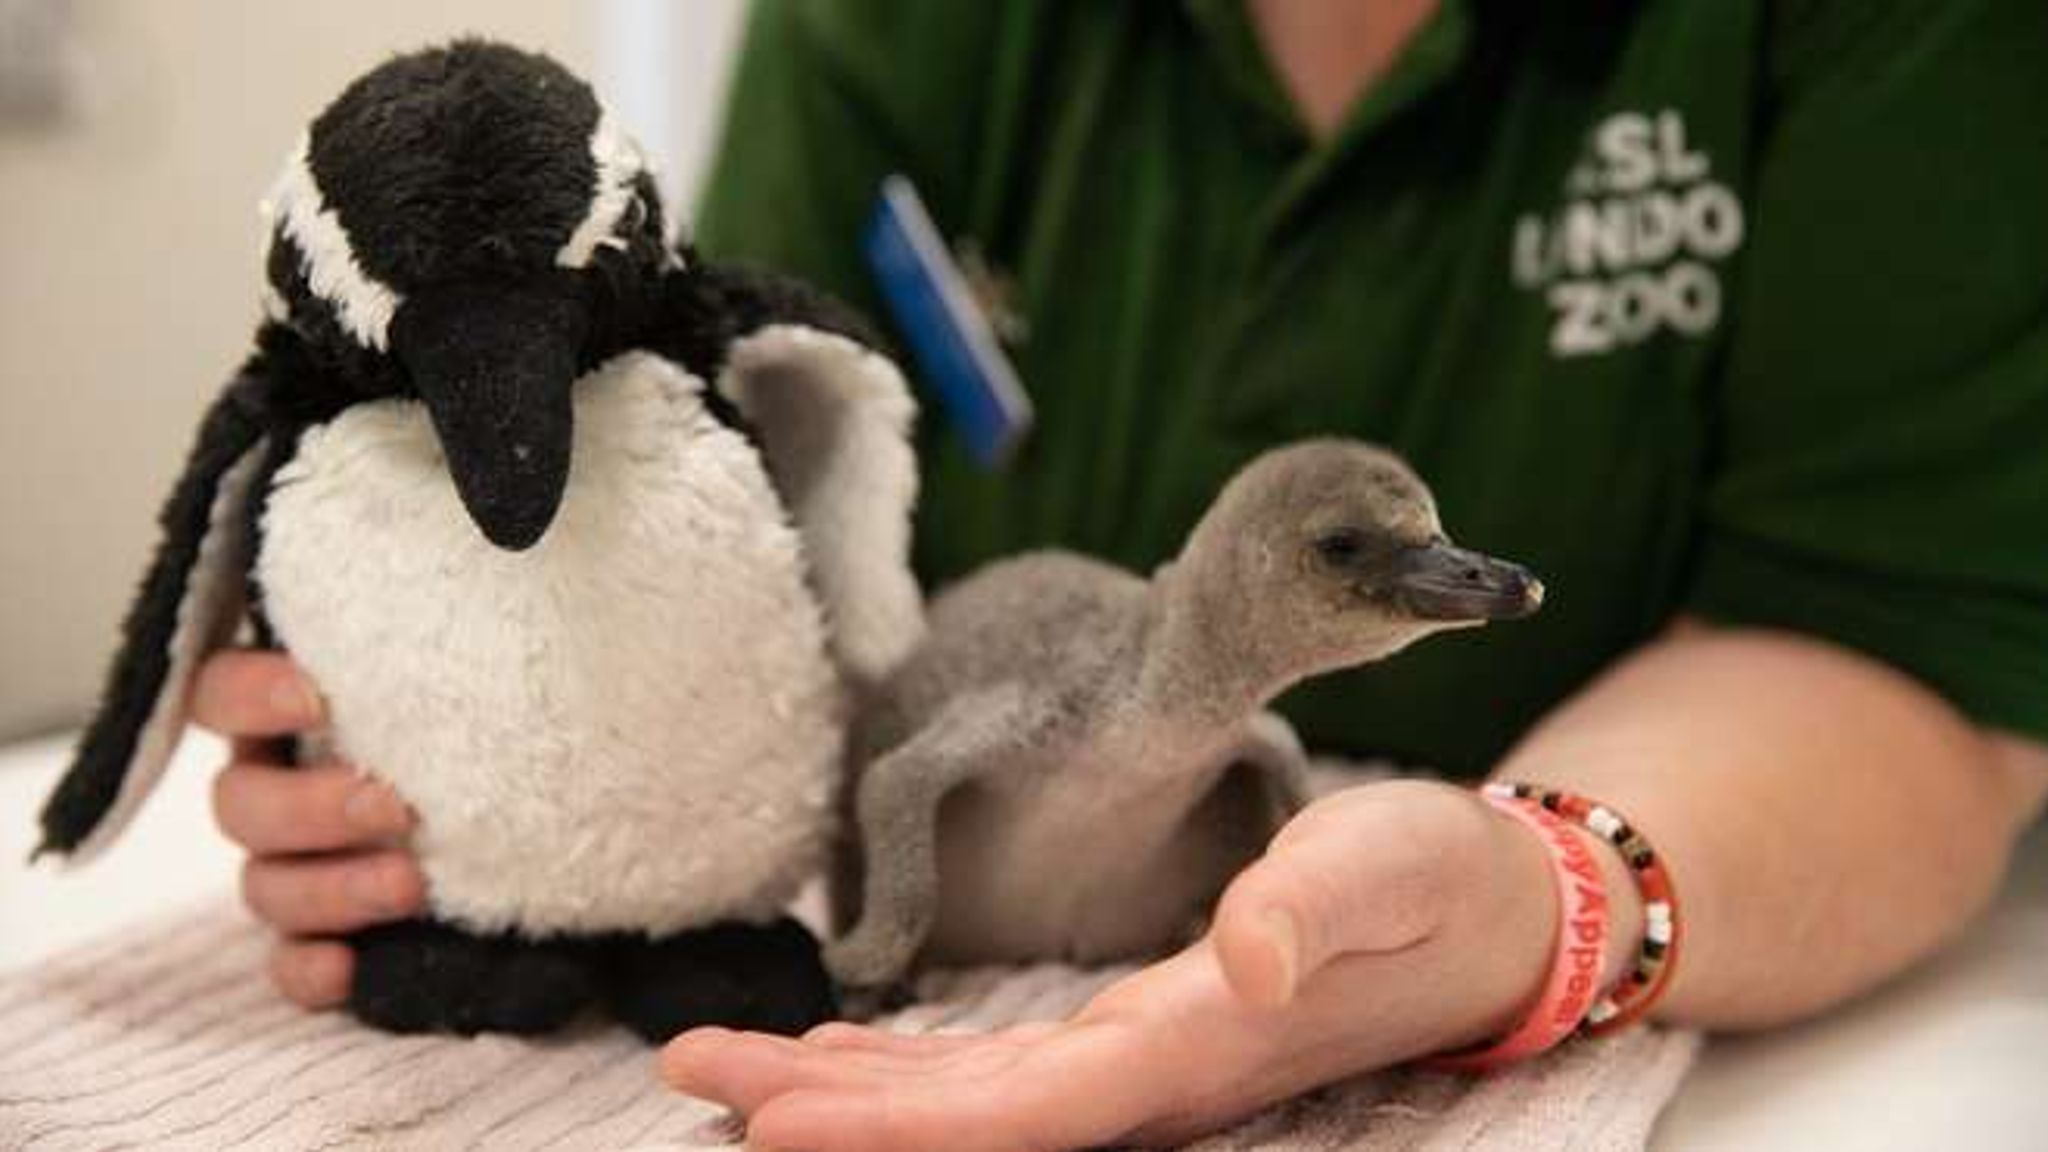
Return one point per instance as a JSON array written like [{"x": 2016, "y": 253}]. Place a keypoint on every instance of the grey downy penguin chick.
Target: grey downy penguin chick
[{"x": 1075, "y": 761}]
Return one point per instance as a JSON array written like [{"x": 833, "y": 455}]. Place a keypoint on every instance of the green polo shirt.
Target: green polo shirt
[{"x": 1732, "y": 308}]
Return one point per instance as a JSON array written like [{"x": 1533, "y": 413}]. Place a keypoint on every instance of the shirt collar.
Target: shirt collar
[{"x": 1433, "y": 56}]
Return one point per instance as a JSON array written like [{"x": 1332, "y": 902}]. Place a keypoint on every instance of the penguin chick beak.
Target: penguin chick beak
[
  {"x": 1440, "y": 581},
  {"x": 495, "y": 364}
]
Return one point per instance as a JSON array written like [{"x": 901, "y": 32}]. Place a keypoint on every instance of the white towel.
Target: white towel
[{"x": 169, "y": 1037}]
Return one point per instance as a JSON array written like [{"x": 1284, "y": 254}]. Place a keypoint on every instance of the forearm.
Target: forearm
[{"x": 1827, "y": 821}]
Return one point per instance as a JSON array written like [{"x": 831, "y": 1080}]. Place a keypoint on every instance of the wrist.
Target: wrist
[
  {"x": 1624, "y": 910},
  {"x": 1544, "y": 868},
  {"x": 1524, "y": 912},
  {"x": 1649, "y": 906},
  {"x": 1624, "y": 899}
]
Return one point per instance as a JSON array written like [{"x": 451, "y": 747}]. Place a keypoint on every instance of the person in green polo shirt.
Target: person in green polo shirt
[{"x": 1730, "y": 319}]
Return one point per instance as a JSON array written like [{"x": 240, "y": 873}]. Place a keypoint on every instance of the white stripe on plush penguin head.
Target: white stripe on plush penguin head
[
  {"x": 620, "y": 163},
  {"x": 295, "y": 208},
  {"x": 466, "y": 225}
]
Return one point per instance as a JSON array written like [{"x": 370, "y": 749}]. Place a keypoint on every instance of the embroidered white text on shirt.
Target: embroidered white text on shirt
[{"x": 1635, "y": 246}]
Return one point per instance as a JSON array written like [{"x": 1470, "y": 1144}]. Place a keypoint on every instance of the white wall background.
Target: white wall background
[{"x": 129, "y": 250}]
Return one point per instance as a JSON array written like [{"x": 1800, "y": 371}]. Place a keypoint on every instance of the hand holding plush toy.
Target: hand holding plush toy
[{"x": 582, "y": 536}]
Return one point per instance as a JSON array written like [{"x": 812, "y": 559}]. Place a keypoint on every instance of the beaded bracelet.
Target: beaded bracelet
[{"x": 1657, "y": 957}]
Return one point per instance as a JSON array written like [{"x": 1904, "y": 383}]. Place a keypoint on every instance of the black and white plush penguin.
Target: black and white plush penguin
[{"x": 584, "y": 538}]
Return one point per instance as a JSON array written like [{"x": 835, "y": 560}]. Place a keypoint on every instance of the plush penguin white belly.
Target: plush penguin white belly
[{"x": 569, "y": 719}]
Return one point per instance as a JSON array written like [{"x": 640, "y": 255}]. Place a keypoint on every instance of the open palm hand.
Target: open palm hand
[{"x": 1386, "y": 922}]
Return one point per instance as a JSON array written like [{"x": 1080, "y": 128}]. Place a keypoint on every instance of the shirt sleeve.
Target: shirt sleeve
[
  {"x": 829, "y": 97},
  {"x": 1880, "y": 472}
]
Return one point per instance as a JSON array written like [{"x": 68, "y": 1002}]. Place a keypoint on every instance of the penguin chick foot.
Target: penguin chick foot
[
  {"x": 874, "y": 954},
  {"x": 426, "y": 976},
  {"x": 763, "y": 978},
  {"x": 864, "y": 1005}
]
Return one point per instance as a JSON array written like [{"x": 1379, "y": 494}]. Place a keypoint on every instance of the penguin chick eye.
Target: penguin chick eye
[{"x": 1342, "y": 548}]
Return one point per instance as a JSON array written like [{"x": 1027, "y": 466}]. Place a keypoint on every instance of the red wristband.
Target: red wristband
[{"x": 1582, "y": 928}]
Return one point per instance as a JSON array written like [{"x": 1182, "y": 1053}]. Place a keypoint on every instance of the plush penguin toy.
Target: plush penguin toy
[{"x": 586, "y": 540}]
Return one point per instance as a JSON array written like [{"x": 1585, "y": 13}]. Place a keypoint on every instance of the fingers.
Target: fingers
[
  {"x": 271, "y": 810},
  {"x": 1369, "y": 873},
  {"x": 910, "y": 1121},
  {"x": 744, "y": 1070},
  {"x": 313, "y": 974},
  {"x": 965, "y": 1117},
  {"x": 325, "y": 896},
  {"x": 843, "y": 1036},
  {"x": 839, "y": 1035},
  {"x": 1177, "y": 1049},
  {"x": 1071, "y": 1086},
  {"x": 242, "y": 692}
]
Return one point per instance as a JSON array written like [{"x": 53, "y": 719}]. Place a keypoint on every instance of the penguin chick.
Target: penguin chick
[{"x": 1053, "y": 773}]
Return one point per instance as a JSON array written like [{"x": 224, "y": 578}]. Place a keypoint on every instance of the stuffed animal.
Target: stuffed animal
[
  {"x": 1050, "y": 775},
  {"x": 582, "y": 535}
]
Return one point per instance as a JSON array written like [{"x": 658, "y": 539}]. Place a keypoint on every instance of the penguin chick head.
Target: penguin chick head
[
  {"x": 1335, "y": 548},
  {"x": 466, "y": 226}
]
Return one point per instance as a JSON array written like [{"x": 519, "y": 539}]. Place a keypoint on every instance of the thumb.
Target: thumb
[{"x": 1371, "y": 873}]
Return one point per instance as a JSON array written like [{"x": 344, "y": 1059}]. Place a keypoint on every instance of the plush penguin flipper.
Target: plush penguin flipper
[
  {"x": 718, "y": 302},
  {"x": 189, "y": 603},
  {"x": 832, "y": 417}
]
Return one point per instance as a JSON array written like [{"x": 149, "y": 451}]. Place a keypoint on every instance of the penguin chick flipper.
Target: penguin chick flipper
[
  {"x": 190, "y": 603},
  {"x": 427, "y": 976},
  {"x": 832, "y": 418},
  {"x": 1271, "y": 748},
  {"x": 897, "y": 800},
  {"x": 762, "y": 978}
]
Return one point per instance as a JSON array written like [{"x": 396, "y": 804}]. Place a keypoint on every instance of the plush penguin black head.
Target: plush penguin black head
[{"x": 466, "y": 226}]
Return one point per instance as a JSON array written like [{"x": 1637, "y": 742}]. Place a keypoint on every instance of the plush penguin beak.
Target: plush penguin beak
[
  {"x": 1440, "y": 581},
  {"x": 495, "y": 364}
]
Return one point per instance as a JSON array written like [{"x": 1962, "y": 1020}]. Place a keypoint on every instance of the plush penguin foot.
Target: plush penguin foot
[
  {"x": 762, "y": 978},
  {"x": 425, "y": 976}
]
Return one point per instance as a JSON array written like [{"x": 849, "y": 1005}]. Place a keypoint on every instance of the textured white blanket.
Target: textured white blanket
[{"x": 168, "y": 1037}]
